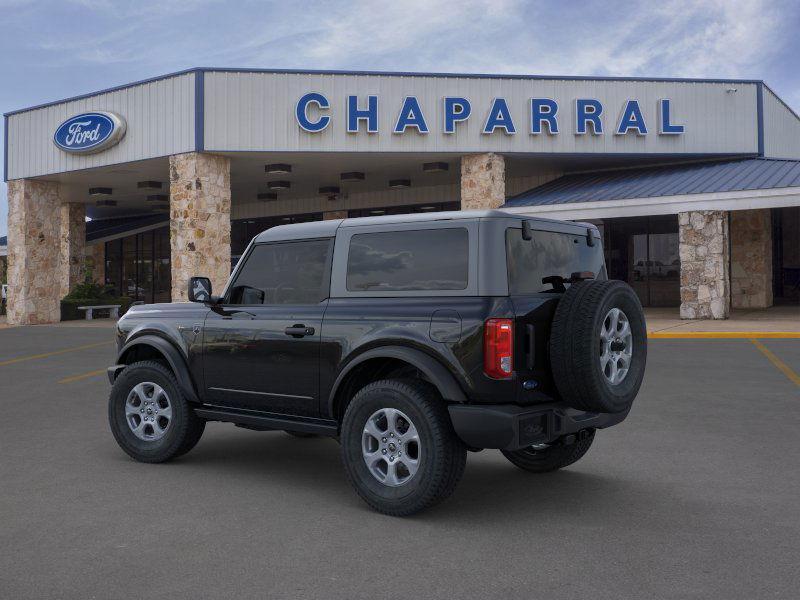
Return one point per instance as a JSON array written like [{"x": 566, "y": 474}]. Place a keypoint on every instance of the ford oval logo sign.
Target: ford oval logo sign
[{"x": 90, "y": 132}]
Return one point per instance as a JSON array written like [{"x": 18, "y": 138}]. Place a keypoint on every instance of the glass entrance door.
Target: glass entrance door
[
  {"x": 138, "y": 266},
  {"x": 643, "y": 251}
]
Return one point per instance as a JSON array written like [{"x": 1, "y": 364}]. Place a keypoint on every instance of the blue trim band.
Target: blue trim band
[
  {"x": 199, "y": 110},
  {"x": 383, "y": 74},
  {"x": 760, "y": 117},
  {"x": 5, "y": 148}
]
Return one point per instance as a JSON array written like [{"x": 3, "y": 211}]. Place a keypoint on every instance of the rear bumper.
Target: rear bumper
[{"x": 511, "y": 427}]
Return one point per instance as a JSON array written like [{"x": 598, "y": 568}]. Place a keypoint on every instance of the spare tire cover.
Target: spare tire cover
[{"x": 598, "y": 346}]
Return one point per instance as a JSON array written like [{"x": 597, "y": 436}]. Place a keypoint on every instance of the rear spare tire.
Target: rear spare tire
[{"x": 598, "y": 346}]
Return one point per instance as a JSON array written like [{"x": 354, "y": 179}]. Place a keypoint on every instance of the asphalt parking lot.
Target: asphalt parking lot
[{"x": 696, "y": 495}]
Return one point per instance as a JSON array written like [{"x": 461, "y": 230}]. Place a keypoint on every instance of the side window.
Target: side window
[
  {"x": 284, "y": 273},
  {"x": 428, "y": 259}
]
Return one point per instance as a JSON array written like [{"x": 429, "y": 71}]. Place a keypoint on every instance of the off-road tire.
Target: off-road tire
[
  {"x": 575, "y": 346},
  {"x": 442, "y": 454},
  {"x": 184, "y": 431},
  {"x": 552, "y": 458}
]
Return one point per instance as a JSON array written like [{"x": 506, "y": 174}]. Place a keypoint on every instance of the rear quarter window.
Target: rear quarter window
[
  {"x": 548, "y": 254},
  {"x": 432, "y": 259}
]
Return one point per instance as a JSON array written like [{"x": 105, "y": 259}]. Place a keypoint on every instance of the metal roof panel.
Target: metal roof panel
[{"x": 671, "y": 180}]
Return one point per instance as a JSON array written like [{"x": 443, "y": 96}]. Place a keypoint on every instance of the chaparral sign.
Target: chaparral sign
[
  {"x": 90, "y": 132},
  {"x": 588, "y": 116}
]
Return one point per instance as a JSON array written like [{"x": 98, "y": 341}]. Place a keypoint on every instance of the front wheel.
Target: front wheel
[
  {"x": 398, "y": 447},
  {"x": 149, "y": 417},
  {"x": 553, "y": 457}
]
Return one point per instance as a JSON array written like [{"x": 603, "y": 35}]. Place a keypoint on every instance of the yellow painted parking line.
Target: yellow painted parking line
[
  {"x": 779, "y": 364},
  {"x": 54, "y": 353},
  {"x": 726, "y": 335},
  {"x": 83, "y": 376}
]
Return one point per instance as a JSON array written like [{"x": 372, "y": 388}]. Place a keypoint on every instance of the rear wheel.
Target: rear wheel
[
  {"x": 149, "y": 417},
  {"x": 551, "y": 457},
  {"x": 398, "y": 447}
]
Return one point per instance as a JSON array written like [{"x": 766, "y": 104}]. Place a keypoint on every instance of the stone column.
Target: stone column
[
  {"x": 96, "y": 257},
  {"x": 200, "y": 220},
  {"x": 483, "y": 181},
  {"x": 751, "y": 258},
  {"x": 34, "y": 243},
  {"x": 72, "y": 246},
  {"x": 703, "y": 247},
  {"x": 334, "y": 214}
]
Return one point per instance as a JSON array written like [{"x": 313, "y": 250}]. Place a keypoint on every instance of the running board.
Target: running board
[{"x": 269, "y": 420}]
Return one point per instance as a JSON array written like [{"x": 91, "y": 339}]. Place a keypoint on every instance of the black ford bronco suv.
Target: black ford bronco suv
[{"x": 412, "y": 339}]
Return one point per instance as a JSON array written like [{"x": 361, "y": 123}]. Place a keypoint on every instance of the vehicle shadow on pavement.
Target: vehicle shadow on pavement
[{"x": 490, "y": 490}]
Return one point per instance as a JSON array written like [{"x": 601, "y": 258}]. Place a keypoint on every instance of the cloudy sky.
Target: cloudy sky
[{"x": 56, "y": 49}]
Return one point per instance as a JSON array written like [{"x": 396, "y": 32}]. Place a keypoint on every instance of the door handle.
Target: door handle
[{"x": 298, "y": 331}]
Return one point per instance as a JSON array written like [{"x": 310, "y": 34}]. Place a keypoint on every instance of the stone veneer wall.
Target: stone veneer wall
[
  {"x": 751, "y": 258},
  {"x": 703, "y": 247},
  {"x": 200, "y": 220},
  {"x": 96, "y": 258},
  {"x": 72, "y": 239},
  {"x": 483, "y": 181},
  {"x": 34, "y": 242}
]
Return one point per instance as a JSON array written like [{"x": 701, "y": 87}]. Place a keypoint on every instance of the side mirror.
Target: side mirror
[{"x": 199, "y": 289}]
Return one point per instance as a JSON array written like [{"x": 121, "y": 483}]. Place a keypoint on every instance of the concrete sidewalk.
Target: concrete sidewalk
[
  {"x": 101, "y": 323},
  {"x": 666, "y": 322}
]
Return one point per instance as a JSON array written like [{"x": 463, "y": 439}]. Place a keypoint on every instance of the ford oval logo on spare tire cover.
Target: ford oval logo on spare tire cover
[{"x": 90, "y": 132}]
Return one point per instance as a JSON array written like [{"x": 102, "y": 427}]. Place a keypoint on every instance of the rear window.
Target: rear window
[
  {"x": 549, "y": 254},
  {"x": 432, "y": 259}
]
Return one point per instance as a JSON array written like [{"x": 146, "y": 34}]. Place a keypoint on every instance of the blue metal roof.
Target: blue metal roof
[{"x": 671, "y": 180}]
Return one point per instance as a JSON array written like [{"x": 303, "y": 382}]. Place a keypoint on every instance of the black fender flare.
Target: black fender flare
[
  {"x": 173, "y": 356},
  {"x": 434, "y": 370}
]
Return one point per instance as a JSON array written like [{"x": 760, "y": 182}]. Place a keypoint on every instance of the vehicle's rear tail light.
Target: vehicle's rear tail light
[{"x": 498, "y": 348}]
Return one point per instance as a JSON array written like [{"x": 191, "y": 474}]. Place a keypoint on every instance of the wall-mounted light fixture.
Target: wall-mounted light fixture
[
  {"x": 278, "y": 168},
  {"x": 149, "y": 185},
  {"x": 100, "y": 191},
  {"x": 329, "y": 189},
  {"x": 399, "y": 183},
  {"x": 352, "y": 176},
  {"x": 158, "y": 198},
  {"x": 267, "y": 196},
  {"x": 435, "y": 167},
  {"x": 106, "y": 203},
  {"x": 279, "y": 185}
]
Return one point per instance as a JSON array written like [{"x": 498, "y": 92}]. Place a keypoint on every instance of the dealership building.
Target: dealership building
[{"x": 695, "y": 184}]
